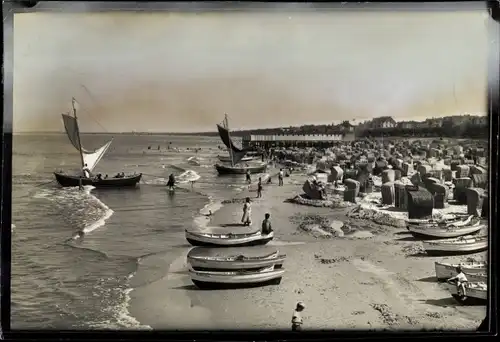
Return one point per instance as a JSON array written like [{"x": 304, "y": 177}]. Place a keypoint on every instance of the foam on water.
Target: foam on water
[{"x": 188, "y": 176}]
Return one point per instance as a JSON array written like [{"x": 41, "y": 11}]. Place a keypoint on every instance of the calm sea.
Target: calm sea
[{"x": 66, "y": 283}]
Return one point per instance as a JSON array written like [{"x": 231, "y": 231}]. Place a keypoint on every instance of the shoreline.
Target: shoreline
[{"x": 372, "y": 270}]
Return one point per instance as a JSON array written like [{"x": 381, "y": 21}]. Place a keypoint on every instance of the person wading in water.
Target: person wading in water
[{"x": 171, "y": 182}]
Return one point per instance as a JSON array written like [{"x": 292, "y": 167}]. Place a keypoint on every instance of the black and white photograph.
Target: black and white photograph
[{"x": 289, "y": 167}]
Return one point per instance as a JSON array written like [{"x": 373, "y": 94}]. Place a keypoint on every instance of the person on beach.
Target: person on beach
[
  {"x": 280, "y": 178},
  {"x": 297, "y": 317},
  {"x": 248, "y": 177},
  {"x": 460, "y": 280},
  {"x": 171, "y": 182},
  {"x": 266, "y": 225},
  {"x": 247, "y": 212},
  {"x": 259, "y": 188}
]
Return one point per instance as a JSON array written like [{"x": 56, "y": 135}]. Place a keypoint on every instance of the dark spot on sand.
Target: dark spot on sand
[{"x": 356, "y": 313}]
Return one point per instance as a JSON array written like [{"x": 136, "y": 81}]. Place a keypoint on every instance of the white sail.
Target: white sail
[{"x": 92, "y": 158}]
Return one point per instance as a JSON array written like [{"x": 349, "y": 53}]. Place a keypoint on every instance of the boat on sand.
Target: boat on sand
[
  {"x": 457, "y": 220},
  {"x": 89, "y": 158},
  {"x": 236, "y": 279},
  {"x": 456, "y": 246},
  {"x": 241, "y": 258},
  {"x": 239, "y": 236},
  {"x": 476, "y": 293},
  {"x": 448, "y": 231},
  {"x": 446, "y": 271}
]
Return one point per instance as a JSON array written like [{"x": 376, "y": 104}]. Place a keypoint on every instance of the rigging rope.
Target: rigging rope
[{"x": 87, "y": 112}]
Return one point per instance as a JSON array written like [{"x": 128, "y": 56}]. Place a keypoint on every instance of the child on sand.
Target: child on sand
[
  {"x": 461, "y": 280},
  {"x": 297, "y": 317},
  {"x": 266, "y": 225}
]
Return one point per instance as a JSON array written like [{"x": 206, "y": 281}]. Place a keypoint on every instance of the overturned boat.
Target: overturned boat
[
  {"x": 89, "y": 160},
  {"x": 476, "y": 293},
  {"x": 237, "y": 279},
  {"x": 221, "y": 237},
  {"x": 448, "y": 231},
  {"x": 242, "y": 258},
  {"x": 456, "y": 246},
  {"x": 473, "y": 271}
]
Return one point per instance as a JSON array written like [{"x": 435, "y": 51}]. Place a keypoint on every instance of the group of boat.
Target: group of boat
[
  {"x": 450, "y": 237},
  {"x": 238, "y": 162},
  {"x": 455, "y": 236},
  {"x": 223, "y": 259}
]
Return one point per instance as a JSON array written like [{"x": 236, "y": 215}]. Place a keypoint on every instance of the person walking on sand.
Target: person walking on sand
[
  {"x": 248, "y": 178},
  {"x": 259, "y": 188},
  {"x": 280, "y": 178},
  {"x": 460, "y": 280},
  {"x": 297, "y": 317},
  {"x": 246, "y": 219},
  {"x": 266, "y": 225}
]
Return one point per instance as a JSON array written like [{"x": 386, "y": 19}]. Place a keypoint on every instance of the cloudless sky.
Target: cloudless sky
[{"x": 180, "y": 72}]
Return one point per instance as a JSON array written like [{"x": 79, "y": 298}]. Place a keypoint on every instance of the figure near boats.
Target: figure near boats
[
  {"x": 171, "y": 182},
  {"x": 259, "y": 188},
  {"x": 266, "y": 225},
  {"x": 297, "y": 317},
  {"x": 460, "y": 280},
  {"x": 246, "y": 219}
]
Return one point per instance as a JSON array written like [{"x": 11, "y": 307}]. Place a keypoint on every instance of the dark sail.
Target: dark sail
[{"x": 237, "y": 153}]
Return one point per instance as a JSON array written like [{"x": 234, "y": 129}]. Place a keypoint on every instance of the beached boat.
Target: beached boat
[
  {"x": 240, "y": 169},
  {"x": 242, "y": 258},
  {"x": 458, "y": 219},
  {"x": 227, "y": 159},
  {"x": 236, "y": 279},
  {"x": 456, "y": 246},
  {"x": 448, "y": 231},
  {"x": 445, "y": 271},
  {"x": 476, "y": 293},
  {"x": 89, "y": 159},
  {"x": 222, "y": 237}
]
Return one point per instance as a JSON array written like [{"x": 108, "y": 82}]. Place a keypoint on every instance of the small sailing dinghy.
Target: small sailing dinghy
[
  {"x": 476, "y": 293},
  {"x": 240, "y": 258},
  {"x": 236, "y": 279},
  {"x": 446, "y": 271},
  {"x": 221, "y": 237},
  {"x": 448, "y": 231},
  {"x": 456, "y": 246},
  {"x": 89, "y": 159},
  {"x": 236, "y": 155}
]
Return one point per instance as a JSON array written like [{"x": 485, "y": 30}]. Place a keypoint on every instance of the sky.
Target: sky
[{"x": 180, "y": 72}]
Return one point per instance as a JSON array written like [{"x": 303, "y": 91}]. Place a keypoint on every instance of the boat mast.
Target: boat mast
[
  {"x": 78, "y": 132},
  {"x": 229, "y": 135}
]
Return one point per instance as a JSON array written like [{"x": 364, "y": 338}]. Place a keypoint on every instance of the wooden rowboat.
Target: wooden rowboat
[{"x": 456, "y": 246}]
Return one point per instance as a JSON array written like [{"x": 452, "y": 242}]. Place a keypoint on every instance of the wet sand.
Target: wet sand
[{"x": 374, "y": 277}]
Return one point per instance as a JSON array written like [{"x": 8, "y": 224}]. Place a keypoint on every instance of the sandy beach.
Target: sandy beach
[{"x": 372, "y": 277}]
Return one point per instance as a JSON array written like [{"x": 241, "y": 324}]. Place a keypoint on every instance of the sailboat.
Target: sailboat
[
  {"x": 89, "y": 159},
  {"x": 236, "y": 155}
]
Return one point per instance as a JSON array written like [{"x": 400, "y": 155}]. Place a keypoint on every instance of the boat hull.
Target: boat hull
[
  {"x": 229, "y": 280},
  {"x": 474, "y": 296},
  {"x": 243, "y": 240},
  {"x": 449, "y": 248},
  {"x": 199, "y": 264},
  {"x": 433, "y": 224},
  {"x": 72, "y": 181},
  {"x": 444, "y": 233},
  {"x": 227, "y": 159},
  {"x": 230, "y": 170},
  {"x": 447, "y": 271}
]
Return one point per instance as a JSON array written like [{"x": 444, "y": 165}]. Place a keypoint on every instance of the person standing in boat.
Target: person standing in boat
[
  {"x": 259, "y": 188},
  {"x": 297, "y": 317},
  {"x": 171, "y": 182},
  {"x": 246, "y": 219},
  {"x": 86, "y": 171},
  {"x": 460, "y": 280},
  {"x": 266, "y": 225}
]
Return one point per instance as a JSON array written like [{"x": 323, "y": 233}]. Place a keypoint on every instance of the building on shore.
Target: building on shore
[{"x": 295, "y": 140}]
